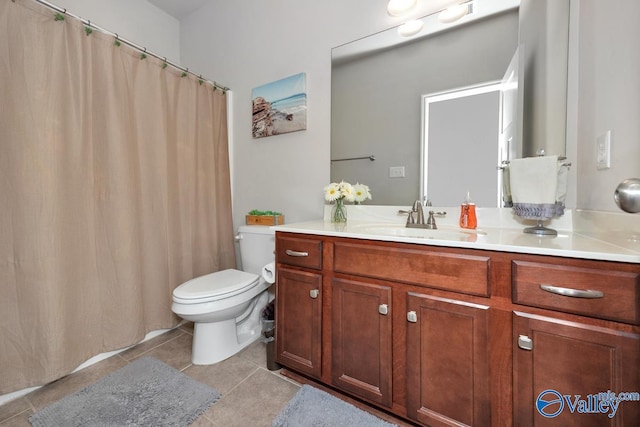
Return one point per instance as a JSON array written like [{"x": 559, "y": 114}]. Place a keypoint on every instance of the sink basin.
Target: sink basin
[{"x": 423, "y": 233}]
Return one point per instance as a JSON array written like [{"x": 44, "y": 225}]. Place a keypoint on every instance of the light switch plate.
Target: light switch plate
[
  {"x": 603, "y": 151},
  {"x": 396, "y": 172}
]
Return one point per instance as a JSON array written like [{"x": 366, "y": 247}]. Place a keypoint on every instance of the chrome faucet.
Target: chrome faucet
[{"x": 418, "y": 220}]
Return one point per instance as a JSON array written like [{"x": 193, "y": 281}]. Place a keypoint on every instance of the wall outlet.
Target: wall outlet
[
  {"x": 396, "y": 172},
  {"x": 603, "y": 151}
]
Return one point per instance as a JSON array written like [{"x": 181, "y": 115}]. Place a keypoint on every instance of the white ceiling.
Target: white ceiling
[
  {"x": 181, "y": 8},
  {"x": 178, "y": 8}
]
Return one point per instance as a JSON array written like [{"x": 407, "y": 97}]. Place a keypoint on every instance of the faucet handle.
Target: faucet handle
[{"x": 410, "y": 219}]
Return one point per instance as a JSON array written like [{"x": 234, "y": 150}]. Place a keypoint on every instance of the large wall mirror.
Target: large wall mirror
[{"x": 379, "y": 87}]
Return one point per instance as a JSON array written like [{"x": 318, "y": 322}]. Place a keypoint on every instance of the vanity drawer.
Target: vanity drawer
[
  {"x": 467, "y": 274},
  {"x": 601, "y": 293},
  {"x": 302, "y": 252}
]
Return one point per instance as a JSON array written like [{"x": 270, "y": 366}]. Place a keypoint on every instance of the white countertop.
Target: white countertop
[{"x": 502, "y": 233}]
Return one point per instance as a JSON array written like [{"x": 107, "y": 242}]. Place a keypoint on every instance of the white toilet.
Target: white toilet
[{"x": 226, "y": 306}]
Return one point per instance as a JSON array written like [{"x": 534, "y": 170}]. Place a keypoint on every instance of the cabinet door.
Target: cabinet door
[
  {"x": 361, "y": 339},
  {"x": 561, "y": 366},
  {"x": 299, "y": 320},
  {"x": 447, "y": 362}
]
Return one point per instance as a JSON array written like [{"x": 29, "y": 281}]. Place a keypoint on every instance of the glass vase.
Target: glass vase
[{"x": 339, "y": 212}]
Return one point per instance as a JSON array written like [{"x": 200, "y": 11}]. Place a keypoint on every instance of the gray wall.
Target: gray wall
[
  {"x": 608, "y": 97},
  {"x": 544, "y": 33},
  {"x": 376, "y": 100},
  {"x": 138, "y": 21}
]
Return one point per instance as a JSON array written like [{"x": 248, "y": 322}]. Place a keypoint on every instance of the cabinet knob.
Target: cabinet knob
[
  {"x": 412, "y": 316},
  {"x": 383, "y": 309},
  {"x": 525, "y": 343},
  {"x": 313, "y": 293}
]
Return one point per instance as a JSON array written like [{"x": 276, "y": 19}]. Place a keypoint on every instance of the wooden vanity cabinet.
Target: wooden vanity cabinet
[
  {"x": 573, "y": 359},
  {"x": 299, "y": 305},
  {"x": 435, "y": 335},
  {"x": 361, "y": 339},
  {"x": 576, "y": 356},
  {"x": 447, "y": 362}
]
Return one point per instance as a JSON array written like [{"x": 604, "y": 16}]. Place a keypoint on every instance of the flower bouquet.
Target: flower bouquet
[{"x": 341, "y": 192}]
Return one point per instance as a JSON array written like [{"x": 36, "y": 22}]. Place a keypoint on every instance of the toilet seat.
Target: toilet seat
[{"x": 214, "y": 286}]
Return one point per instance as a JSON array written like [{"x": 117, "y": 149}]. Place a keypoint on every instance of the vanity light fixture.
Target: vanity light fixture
[
  {"x": 410, "y": 28},
  {"x": 400, "y": 7},
  {"x": 454, "y": 13}
]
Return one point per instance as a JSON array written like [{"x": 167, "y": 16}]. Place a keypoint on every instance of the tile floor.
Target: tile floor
[{"x": 251, "y": 394}]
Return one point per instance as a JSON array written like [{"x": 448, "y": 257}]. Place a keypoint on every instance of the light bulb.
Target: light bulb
[
  {"x": 410, "y": 28},
  {"x": 400, "y": 7},
  {"x": 453, "y": 13}
]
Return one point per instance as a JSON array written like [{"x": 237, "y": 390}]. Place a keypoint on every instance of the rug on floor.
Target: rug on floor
[
  {"x": 313, "y": 407},
  {"x": 146, "y": 392}
]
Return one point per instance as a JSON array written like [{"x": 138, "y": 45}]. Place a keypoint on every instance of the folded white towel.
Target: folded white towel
[
  {"x": 563, "y": 177},
  {"x": 534, "y": 180},
  {"x": 269, "y": 272}
]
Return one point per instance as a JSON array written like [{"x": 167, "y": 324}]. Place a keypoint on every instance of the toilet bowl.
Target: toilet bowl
[{"x": 226, "y": 306}]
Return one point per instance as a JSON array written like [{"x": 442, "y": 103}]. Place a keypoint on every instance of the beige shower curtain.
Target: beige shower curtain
[{"x": 114, "y": 185}]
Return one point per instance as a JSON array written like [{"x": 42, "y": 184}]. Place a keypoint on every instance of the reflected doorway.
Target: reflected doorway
[{"x": 461, "y": 146}]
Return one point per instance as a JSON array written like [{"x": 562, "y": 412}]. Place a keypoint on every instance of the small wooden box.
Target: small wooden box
[{"x": 265, "y": 219}]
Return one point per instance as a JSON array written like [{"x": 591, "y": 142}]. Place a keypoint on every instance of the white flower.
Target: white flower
[
  {"x": 332, "y": 192},
  {"x": 344, "y": 190},
  {"x": 361, "y": 193},
  {"x": 347, "y": 191}
]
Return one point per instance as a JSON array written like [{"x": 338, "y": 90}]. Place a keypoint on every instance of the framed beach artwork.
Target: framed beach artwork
[{"x": 280, "y": 107}]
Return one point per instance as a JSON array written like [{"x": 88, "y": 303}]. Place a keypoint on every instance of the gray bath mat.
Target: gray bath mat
[
  {"x": 313, "y": 407},
  {"x": 146, "y": 392}
]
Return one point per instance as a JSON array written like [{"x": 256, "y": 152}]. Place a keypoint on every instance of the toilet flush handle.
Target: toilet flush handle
[{"x": 238, "y": 237}]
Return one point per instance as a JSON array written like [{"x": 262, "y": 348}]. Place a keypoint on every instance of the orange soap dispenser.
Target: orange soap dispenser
[{"x": 468, "y": 213}]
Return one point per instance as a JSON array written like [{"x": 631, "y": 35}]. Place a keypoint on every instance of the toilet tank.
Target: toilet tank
[{"x": 257, "y": 244}]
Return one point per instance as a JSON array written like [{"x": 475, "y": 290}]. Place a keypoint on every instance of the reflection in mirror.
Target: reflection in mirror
[
  {"x": 376, "y": 101},
  {"x": 376, "y": 97},
  {"x": 469, "y": 118},
  {"x": 468, "y": 128}
]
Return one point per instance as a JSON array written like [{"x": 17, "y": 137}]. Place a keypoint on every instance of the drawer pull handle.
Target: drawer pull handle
[
  {"x": 313, "y": 293},
  {"x": 575, "y": 293},
  {"x": 412, "y": 317},
  {"x": 296, "y": 253},
  {"x": 383, "y": 309}
]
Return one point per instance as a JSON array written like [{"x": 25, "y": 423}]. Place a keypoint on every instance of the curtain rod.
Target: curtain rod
[{"x": 139, "y": 48}]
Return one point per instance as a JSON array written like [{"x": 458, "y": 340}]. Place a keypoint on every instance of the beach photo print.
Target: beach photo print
[{"x": 280, "y": 107}]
